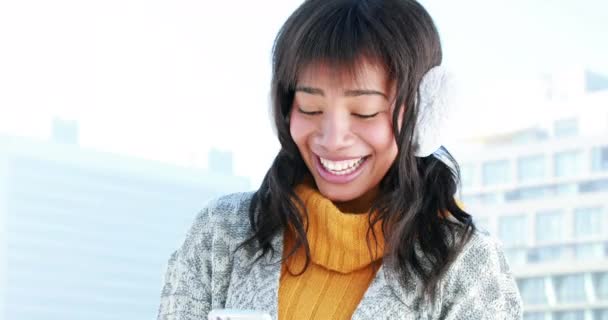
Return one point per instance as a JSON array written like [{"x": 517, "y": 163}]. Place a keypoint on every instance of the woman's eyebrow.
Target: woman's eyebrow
[
  {"x": 347, "y": 93},
  {"x": 361, "y": 92},
  {"x": 310, "y": 90}
]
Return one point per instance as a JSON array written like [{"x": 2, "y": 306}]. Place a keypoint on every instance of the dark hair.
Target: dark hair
[{"x": 401, "y": 36}]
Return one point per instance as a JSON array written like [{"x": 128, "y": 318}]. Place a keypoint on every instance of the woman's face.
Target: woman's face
[{"x": 342, "y": 128}]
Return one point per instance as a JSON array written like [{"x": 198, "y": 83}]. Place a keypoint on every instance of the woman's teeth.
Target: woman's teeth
[{"x": 341, "y": 167}]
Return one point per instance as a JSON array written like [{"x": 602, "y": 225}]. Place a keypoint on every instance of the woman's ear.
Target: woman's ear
[{"x": 400, "y": 117}]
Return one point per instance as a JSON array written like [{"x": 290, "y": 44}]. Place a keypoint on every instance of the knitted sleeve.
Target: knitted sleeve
[
  {"x": 480, "y": 285},
  {"x": 186, "y": 294}
]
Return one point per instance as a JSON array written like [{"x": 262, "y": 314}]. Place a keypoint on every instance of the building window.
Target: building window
[
  {"x": 534, "y": 316},
  {"x": 535, "y": 193},
  {"x": 470, "y": 200},
  {"x": 547, "y": 254},
  {"x": 529, "y": 193},
  {"x": 549, "y": 226},
  {"x": 589, "y": 251},
  {"x": 467, "y": 175},
  {"x": 531, "y": 168},
  {"x": 570, "y": 315},
  {"x": 601, "y": 283},
  {"x": 599, "y": 158},
  {"x": 568, "y": 164},
  {"x": 533, "y": 290},
  {"x": 566, "y": 128},
  {"x": 496, "y": 173},
  {"x": 600, "y": 314},
  {"x": 491, "y": 198},
  {"x": 513, "y": 230},
  {"x": 566, "y": 189},
  {"x": 594, "y": 186},
  {"x": 570, "y": 289},
  {"x": 516, "y": 257},
  {"x": 588, "y": 222}
]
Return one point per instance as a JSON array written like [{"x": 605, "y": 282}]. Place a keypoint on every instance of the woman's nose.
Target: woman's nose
[{"x": 335, "y": 133}]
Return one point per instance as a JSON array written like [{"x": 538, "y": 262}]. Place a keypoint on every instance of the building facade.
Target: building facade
[
  {"x": 543, "y": 192},
  {"x": 86, "y": 235}
]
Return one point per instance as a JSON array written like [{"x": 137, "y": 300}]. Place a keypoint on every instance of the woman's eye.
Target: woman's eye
[
  {"x": 365, "y": 116},
  {"x": 311, "y": 113}
]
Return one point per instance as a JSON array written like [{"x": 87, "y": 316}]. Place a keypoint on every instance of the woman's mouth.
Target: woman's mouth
[
  {"x": 342, "y": 171},
  {"x": 341, "y": 167}
]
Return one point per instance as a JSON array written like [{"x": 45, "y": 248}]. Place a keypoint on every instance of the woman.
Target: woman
[{"x": 356, "y": 218}]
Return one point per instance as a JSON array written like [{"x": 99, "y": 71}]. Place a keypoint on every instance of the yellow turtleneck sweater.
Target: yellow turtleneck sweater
[{"x": 340, "y": 269}]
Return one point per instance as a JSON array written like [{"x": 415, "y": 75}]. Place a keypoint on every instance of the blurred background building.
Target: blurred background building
[
  {"x": 543, "y": 191},
  {"x": 86, "y": 235}
]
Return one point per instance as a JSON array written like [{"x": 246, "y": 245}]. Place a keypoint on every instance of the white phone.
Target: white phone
[{"x": 236, "y": 314}]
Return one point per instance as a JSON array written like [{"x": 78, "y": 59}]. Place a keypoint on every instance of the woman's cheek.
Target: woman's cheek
[
  {"x": 299, "y": 127},
  {"x": 377, "y": 134}
]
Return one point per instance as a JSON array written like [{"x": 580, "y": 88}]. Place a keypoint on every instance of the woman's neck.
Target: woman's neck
[{"x": 358, "y": 205}]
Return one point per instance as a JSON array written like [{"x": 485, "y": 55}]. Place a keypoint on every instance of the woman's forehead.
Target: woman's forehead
[{"x": 360, "y": 73}]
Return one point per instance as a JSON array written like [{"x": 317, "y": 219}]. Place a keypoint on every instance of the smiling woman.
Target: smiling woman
[{"x": 356, "y": 218}]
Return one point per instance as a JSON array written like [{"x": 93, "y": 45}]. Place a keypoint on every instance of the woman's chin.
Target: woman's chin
[{"x": 338, "y": 193}]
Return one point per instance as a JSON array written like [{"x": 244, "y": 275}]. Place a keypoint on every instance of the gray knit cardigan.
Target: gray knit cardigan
[{"x": 205, "y": 273}]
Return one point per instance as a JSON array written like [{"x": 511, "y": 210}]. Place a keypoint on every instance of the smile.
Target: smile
[
  {"x": 341, "y": 167},
  {"x": 342, "y": 171}
]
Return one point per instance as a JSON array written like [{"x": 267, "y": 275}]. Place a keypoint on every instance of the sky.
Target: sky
[{"x": 168, "y": 80}]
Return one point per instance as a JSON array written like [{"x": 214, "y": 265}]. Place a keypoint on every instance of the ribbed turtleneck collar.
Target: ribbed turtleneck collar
[{"x": 337, "y": 240}]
